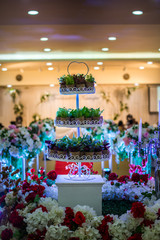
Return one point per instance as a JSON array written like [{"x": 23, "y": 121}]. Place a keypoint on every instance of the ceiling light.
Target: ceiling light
[
  {"x": 159, "y": 49},
  {"x": 49, "y": 64},
  {"x": 33, "y": 12},
  {"x": 47, "y": 49},
  {"x": 9, "y": 85},
  {"x": 112, "y": 38},
  {"x": 96, "y": 68},
  {"x": 141, "y": 67},
  {"x": 50, "y": 68},
  {"x": 99, "y": 63},
  {"x": 137, "y": 12},
  {"x": 43, "y": 39},
  {"x": 136, "y": 84},
  {"x": 0, "y": 64},
  {"x": 149, "y": 62},
  {"x": 51, "y": 85},
  {"x": 105, "y": 49},
  {"x": 4, "y": 69}
]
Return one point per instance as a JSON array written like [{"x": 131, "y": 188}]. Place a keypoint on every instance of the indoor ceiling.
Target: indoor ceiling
[{"x": 79, "y": 30}]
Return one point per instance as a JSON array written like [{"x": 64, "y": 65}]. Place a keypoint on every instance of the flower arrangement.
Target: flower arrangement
[
  {"x": 82, "y": 146},
  {"x": 44, "y": 129},
  {"x": 76, "y": 80},
  {"x": 84, "y": 113},
  {"x": 28, "y": 214},
  {"x": 19, "y": 142},
  {"x": 137, "y": 188}
]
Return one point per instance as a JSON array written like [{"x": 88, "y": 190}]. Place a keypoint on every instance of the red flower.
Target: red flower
[
  {"x": 39, "y": 235},
  {"x": 74, "y": 238},
  {"x": 136, "y": 236},
  {"x": 138, "y": 210},
  {"x": 32, "y": 170},
  {"x": 34, "y": 177},
  {"x": 123, "y": 178},
  {"x": 68, "y": 220},
  {"x": 44, "y": 209},
  {"x": 41, "y": 172},
  {"x": 136, "y": 197},
  {"x": 112, "y": 183},
  {"x": 103, "y": 227},
  {"x": 147, "y": 223},
  {"x": 16, "y": 220},
  {"x": 6, "y": 234},
  {"x": 158, "y": 213},
  {"x": 144, "y": 178},
  {"x": 31, "y": 197},
  {"x": 112, "y": 176},
  {"x": 135, "y": 177},
  {"x": 52, "y": 175},
  {"x": 2, "y": 199},
  {"x": 79, "y": 218},
  {"x": 19, "y": 206}
]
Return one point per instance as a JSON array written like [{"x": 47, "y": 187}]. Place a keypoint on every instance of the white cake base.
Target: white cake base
[{"x": 88, "y": 192}]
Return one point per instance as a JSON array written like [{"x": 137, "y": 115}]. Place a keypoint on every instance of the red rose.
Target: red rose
[
  {"x": 158, "y": 213},
  {"x": 32, "y": 170},
  {"x": 138, "y": 210},
  {"x": 103, "y": 227},
  {"x": 20, "y": 206},
  {"x": 135, "y": 177},
  {"x": 52, "y": 175},
  {"x": 123, "y": 178},
  {"x": 44, "y": 209},
  {"x": 136, "y": 236},
  {"x": 144, "y": 178},
  {"x": 112, "y": 176},
  {"x": 39, "y": 235},
  {"x": 6, "y": 234},
  {"x": 79, "y": 218},
  {"x": 34, "y": 177},
  {"x": 69, "y": 216},
  {"x": 147, "y": 223},
  {"x": 16, "y": 220}
]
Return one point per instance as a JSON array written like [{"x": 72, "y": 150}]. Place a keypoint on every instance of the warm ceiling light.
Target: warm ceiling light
[
  {"x": 105, "y": 49},
  {"x": 137, "y": 12},
  {"x": 149, "y": 62},
  {"x": 0, "y": 64},
  {"x": 43, "y": 39},
  {"x": 96, "y": 68},
  {"x": 49, "y": 64},
  {"x": 50, "y": 68},
  {"x": 136, "y": 84},
  {"x": 4, "y": 69},
  {"x": 159, "y": 49},
  {"x": 51, "y": 85},
  {"x": 141, "y": 67},
  {"x": 33, "y": 12},
  {"x": 47, "y": 49},
  {"x": 9, "y": 85},
  {"x": 112, "y": 38},
  {"x": 99, "y": 63}
]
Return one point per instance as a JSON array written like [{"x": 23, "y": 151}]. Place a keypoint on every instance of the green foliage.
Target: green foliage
[
  {"x": 69, "y": 80},
  {"x": 123, "y": 106},
  {"x": 63, "y": 113},
  {"x": 90, "y": 78},
  {"x": 14, "y": 93},
  {"x": 45, "y": 97},
  {"x": 129, "y": 91},
  {"x": 18, "y": 109},
  {"x": 36, "y": 117}
]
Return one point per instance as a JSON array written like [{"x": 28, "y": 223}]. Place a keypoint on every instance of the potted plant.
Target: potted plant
[
  {"x": 90, "y": 81},
  {"x": 87, "y": 114},
  {"x": 105, "y": 147},
  {"x": 88, "y": 146},
  {"x": 96, "y": 113},
  {"x": 62, "y": 81},
  {"x": 79, "y": 115},
  {"x": 74, "y": 146},
  {"x": 97, "y": 148},
  {"x": 52, "y": 148},
  {"x": 62, "y": 146},
  {"x": 69, "y": 81},
  {"x": 63, "y": 114},
  {"x": 79, "y": 80}
]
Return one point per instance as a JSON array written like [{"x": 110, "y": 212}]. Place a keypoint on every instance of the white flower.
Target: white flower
[
  {"x": 87, "y": 233},
  {"x": 57, "y": 233},
  {"x": 87, "y": 211},
  {"x": 48, "y": 203},
  {"x": 119, "y": 230},
  {"x": 10, "y": 199},
  {"x": 56, "y": 215},
  {"x": 36, "y": 220}
]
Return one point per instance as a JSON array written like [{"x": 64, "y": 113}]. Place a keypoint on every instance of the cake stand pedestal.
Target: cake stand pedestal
[{"x": 86, "y": 192}]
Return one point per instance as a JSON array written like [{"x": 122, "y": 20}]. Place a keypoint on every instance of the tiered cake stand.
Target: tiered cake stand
[{"x": 82, "y": 172}]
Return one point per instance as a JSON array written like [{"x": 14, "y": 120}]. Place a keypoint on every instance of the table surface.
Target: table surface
[{"x": 64, "y": 179}]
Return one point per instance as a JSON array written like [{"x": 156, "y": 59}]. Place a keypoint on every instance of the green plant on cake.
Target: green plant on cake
[
  {"x": 90, "y": 78},
  {"x": 62, "y": 113},
  {"x": 62, "y": 144},
  {"x": 96, "y": 113},
  {"x": 69, "y": 80},
  {"x": 87, "y": 113}
]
